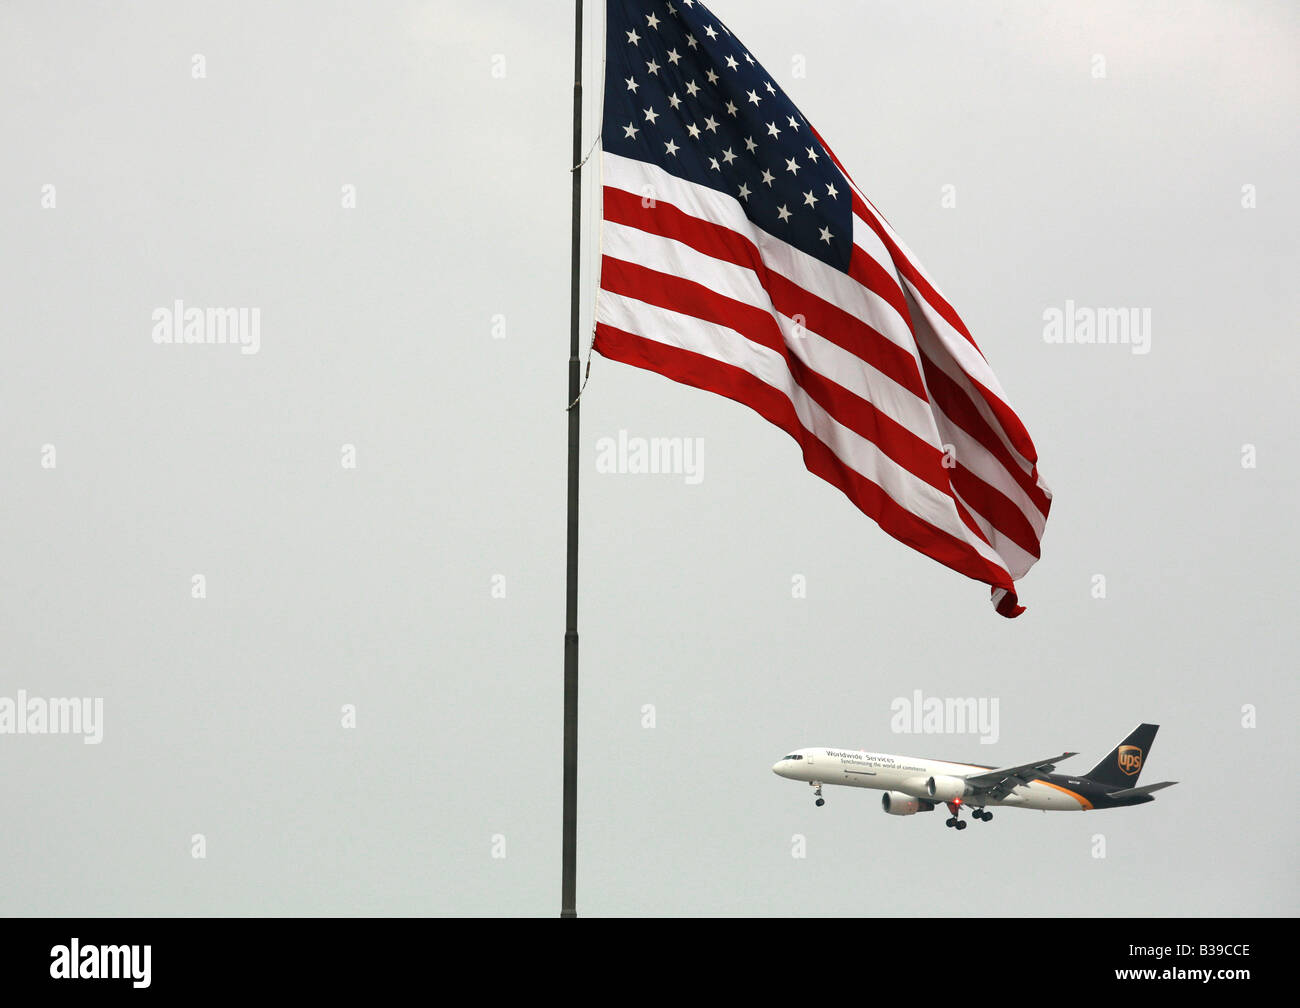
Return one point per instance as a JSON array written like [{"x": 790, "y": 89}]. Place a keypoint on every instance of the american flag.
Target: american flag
[{"x": 739, "y": 257}]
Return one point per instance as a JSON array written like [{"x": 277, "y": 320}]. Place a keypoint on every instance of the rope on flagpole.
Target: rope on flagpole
[
  {"x": 591, "y": 151},
  {"x": 586, "y": 374},
  {"x": 591, "y": 345}
]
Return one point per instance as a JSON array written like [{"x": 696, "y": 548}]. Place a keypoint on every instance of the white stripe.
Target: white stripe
[
  {"x": 951, "y": 351},
  {"x": 642, "y": 179},
  {"x": 975, "y": 457},
  {"x": 937, "y": 350},
  {"x": 958, "y": 347},
  {"x": 921, "y": 417},
  {"x": 829, "y": 360},
  {"x": 724, "y": 344},
  {"x": 1015, "y": 559}
]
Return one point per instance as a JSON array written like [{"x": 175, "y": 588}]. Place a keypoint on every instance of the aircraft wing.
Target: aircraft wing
[{"x": 1000, "y": 783}]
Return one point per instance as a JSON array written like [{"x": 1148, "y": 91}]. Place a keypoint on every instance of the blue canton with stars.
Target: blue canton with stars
[{"x": 682, "y": 93}]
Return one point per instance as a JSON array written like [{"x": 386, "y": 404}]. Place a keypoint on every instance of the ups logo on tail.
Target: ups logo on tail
[{"x": 1130, "y": 759}]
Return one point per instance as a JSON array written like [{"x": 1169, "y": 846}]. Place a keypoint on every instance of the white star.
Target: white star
[
  {"x": 632, "y": 85},
  {"x": 713, "y": 163},
  {"x": 770, "y": 89},
  {"x": 652, "y": 67},
  {"x": 731, "y": 108},
  {"x": 673, "y": 100},
  {"x": 711, "y": 124},
  {"x": 793, "y": 122},
  {"x": 690, "y": 41},
  {"x": 708, "y": 30},
  {"x": 749, "y": 59},
  {"x": 812, "y": 154},
  {"x": 753, "y": 96},
  {"x": 630, "y": 132},
  {"x": 783, "y": 213},
  {"x": 651, "y": 115},
  {"x": 694, "y": 131},
  {"x": 713, "y": 78},
  {"x": 672, "y": 9},
  {"x": 810, "y": 199},
  {"x": 831, "y": 192},
  {"x": 768, "y": 177},
  {"x": 732, "y": 63},
  {"x": 826, "y": 235},
  {"x": 772, "y": 130},
  {"x": 671, "y": 148},
  {"x": 792, "y": 167},
  {"x": 744, "y": 192},
  {"x": 691, "y": 88},
  {"x": 749, "y": 143},
  {"x": 652, "y": 21},
  {"x": 633, "y": 37},
  {"x": 727, "y": 156},
  {"x": 673, "y": 57}
]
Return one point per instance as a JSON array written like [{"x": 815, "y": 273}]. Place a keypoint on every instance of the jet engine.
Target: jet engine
[
  {"x": 946, "y": 789},
  {"x": 897, "y": 803}
]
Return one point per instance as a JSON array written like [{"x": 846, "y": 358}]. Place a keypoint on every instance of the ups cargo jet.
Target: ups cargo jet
[{"x": 919, "y": 785}]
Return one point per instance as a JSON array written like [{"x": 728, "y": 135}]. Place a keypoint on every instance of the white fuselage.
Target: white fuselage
[{"x": 906, "y": 774}]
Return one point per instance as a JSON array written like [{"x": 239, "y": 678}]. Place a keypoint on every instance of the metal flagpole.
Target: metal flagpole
[{"x": 568, "y": 904}]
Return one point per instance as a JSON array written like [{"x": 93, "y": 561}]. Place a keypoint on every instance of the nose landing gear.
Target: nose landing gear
[
  {"x": 955, "y": 807},
  {"x": 817, "y": 790}
]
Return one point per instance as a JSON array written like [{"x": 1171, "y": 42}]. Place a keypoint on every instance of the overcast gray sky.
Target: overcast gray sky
[{"x": 203, "y": 152}]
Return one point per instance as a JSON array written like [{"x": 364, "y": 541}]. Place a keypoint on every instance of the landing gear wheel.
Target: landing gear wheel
[
  {"x": 820, "y": 802},
  {"x": 951, "y": 822},
  {"x": 961, "y": 825},
  {"x": 988, "y": 816}
]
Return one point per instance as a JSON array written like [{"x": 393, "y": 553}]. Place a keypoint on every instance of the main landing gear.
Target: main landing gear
[
  {"x": 955, "y": 807},
  {"x": 817, "y": 790}
]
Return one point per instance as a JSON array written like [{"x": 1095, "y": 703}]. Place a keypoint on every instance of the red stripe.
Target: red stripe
[
  {"x": 1010, "y": 424},
  {"x": 735, "y": 383},
  {"x": 820, "y": 316},
  {"x": 866, "y": 271},
  {"x": 856, "y": 413},
  {"x": 1009, "y": 606},
  {"x": 958, "y": 408},
  {"x": 757, "y": 325},
  {"x": 997, "y": 508},
  {"x": 913, "y": 275},
  {"x": 1006, "y": 417}
]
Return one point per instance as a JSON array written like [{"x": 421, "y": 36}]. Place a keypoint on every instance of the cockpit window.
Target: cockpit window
[{"x": 794, "y": 756}]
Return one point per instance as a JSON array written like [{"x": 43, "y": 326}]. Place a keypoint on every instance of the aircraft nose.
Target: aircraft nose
[{"x": 777, "y": 767}]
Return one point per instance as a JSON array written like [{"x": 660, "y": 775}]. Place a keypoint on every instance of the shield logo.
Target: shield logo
[{"x": 1130, "y": 759}]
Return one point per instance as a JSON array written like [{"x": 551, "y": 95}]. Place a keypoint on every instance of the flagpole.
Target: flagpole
[{"x": 569, "y": 872}]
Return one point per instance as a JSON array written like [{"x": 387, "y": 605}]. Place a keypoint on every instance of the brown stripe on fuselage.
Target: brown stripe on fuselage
[{"x": 1073, "y": 794}]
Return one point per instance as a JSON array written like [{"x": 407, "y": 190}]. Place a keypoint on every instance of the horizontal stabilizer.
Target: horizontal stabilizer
[{"x": 1146, "y": 789}]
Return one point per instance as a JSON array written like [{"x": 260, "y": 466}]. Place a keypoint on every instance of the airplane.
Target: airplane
[{"x": 920, "y": 785}]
